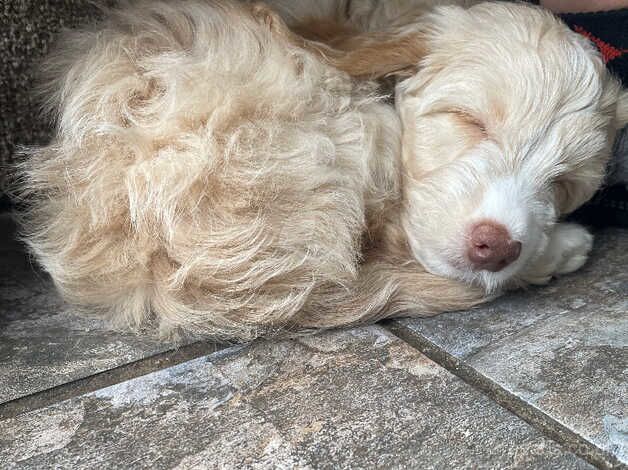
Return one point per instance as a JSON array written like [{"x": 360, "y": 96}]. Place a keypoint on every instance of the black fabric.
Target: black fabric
[
  {"x": 609, "y": 207},
  {"x": 608, "y": 30}
]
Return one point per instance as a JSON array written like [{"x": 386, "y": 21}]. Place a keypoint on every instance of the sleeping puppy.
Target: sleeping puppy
[
  {"x": 213, "y": 171},
  {"x": 531, "y": 115},
  {"x": 508, "y": 119}
]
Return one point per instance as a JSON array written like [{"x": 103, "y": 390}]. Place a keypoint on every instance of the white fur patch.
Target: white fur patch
[{"x": 567, "y": 251}]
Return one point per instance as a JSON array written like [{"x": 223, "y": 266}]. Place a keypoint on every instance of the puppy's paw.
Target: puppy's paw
[
  {"x": 573, "y": 244},
  {"x": 567, "y": 251}
]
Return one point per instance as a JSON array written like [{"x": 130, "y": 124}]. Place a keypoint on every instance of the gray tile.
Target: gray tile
[
  {"x": 358, "y": 398},
  {"x": 573, "y": 367},
  {"x": 43, "y": 343},
  {"x": 562, "y": 349}
]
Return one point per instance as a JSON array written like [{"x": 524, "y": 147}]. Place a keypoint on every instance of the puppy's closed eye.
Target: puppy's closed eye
[
  {"x": 441, "y": 137},
  {"x": 469, "y": 124}
]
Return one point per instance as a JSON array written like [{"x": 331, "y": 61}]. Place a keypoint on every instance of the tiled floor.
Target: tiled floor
[
  {"x": 562, "y": 350},
  {"x": 536, "y": 379},
  {"x": 43, "y": 342}
]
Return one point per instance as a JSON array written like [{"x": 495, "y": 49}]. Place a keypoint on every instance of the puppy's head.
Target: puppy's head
[{"x": 508, "y": 122}]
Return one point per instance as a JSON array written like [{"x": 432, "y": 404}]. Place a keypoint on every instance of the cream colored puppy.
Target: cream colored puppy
[
  {"x": 508, "y": 119},
  {"x": 215, "y": 173},
  {"x": 517, "y": 124}
]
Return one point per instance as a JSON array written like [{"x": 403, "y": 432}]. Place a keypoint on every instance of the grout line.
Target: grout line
[
  {"x": 131, "y": 370},
  {"x": 534, "y": 416}
]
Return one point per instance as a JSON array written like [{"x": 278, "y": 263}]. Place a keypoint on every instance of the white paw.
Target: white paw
[
  {"x": 567, "y": 251},
  {"x": 573, "y": 244}
]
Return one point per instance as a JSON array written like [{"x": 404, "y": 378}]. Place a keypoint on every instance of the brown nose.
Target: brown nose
[{"x": 490, "y": 247}]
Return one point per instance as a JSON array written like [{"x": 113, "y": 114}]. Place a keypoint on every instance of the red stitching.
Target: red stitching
[{"x": 608, "y": 51}]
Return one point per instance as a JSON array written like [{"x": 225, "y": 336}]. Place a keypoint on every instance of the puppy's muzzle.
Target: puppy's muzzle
[{"x": 490, "y": 247}]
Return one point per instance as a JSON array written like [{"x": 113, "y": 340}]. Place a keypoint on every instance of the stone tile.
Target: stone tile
[
  {"x": 573, "y": 367},
  {"x": 562, "y": 349},
  {"x": 42, "y": 342},
  {"x": 350, "y": 399}
]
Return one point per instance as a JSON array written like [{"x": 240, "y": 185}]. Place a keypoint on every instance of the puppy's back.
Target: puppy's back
[{"x": 203, "y": 174}]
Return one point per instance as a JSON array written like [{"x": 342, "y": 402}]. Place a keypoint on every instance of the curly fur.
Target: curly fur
[{"x": 212, "y": 173}]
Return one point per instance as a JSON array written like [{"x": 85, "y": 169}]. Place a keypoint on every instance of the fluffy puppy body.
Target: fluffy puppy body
[
  {"x": 215, "y": 173},
  {"x": 209, "y": 175}
]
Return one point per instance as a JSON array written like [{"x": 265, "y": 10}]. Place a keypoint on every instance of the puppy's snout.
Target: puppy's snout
[{"x": 491, "y": 248}]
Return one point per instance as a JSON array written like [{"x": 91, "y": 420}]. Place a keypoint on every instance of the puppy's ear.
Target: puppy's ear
[
  {"x": 363, "y": 54},
  {"x": 378, "y": 55}
]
